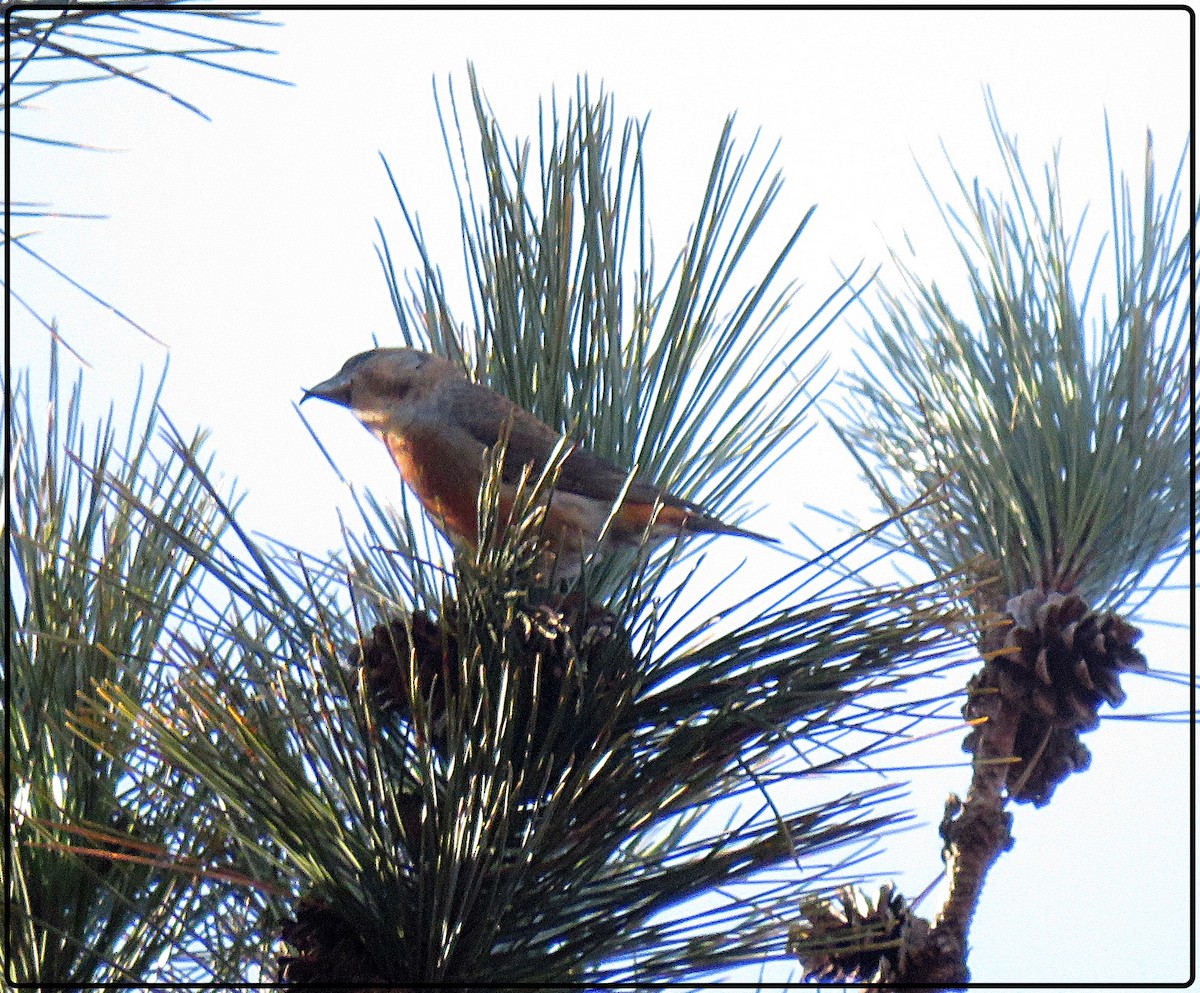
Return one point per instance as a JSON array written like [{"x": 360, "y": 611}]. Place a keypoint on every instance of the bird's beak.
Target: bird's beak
[{"x": 335, "y": 390}]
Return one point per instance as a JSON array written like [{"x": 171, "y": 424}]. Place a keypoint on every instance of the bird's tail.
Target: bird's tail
[
  {"x": 687, "y": 518},
  {"x": 704, "y": 524}
]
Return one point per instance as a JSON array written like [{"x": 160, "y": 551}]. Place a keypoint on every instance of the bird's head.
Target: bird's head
[{"x": 382, "y": 386}]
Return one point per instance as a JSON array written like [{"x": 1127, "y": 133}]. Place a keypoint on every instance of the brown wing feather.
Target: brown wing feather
[{"x": 485, "y": 414}]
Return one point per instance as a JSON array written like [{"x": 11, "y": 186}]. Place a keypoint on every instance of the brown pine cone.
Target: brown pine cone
[
  {"x": 1061, "y": 661},
  {"x": 850, "y": 944}
]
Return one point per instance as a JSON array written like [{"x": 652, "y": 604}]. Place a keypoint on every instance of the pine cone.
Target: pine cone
[
  {"x": 385, "y": 657},
  {"x": 557, "y": 637},
  {"x": 850, "y": 944},
  {"x": 571, "y": 639},
  {"x": 1035, "y": 781},
  {"x": 1062, "y": 660},
  {"x": 330, "y": 951}
]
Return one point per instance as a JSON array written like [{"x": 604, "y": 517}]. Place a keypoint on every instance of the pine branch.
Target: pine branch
[
  {"x": 1058, "y": 446},
  {"x": 75, "y": 45},
  {"x": 94, "y": 587}
]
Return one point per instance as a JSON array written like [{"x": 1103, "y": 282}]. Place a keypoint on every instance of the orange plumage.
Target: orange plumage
[{"x": 438, "y": 425}]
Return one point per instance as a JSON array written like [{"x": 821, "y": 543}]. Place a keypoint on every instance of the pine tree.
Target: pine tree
[
  {"x": 392, "y": 764},
  {"x": 433, "y": 770},
  {"x": 1050, "y": 453}
]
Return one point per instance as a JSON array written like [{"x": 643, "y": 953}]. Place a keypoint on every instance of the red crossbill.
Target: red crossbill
[{"x": 438, "y": 425}]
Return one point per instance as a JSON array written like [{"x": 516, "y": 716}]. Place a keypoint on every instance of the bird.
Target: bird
[{"x": 438, "y": 426}]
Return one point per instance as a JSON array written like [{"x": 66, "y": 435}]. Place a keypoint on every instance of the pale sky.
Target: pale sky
[{"x": 247, "y": 243}]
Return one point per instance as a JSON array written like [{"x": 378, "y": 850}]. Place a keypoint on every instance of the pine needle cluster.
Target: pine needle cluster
[{"x": 381, "y": 766}]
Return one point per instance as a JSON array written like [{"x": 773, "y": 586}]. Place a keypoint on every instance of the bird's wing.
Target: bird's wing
[{"x": 486, "y": 415}]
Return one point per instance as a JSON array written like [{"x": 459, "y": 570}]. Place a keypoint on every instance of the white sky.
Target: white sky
[{"x": 247, "y": 244}]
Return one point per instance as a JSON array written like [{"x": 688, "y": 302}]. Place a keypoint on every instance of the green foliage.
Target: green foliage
[
  {"x": 52, "y": 48},
  {"x": 106, "y": 543},
  {"x": 1056, "y": 445},
  {"x": 48, "y": 48},
  {"x": 632, "y": 789},
  {"x": 454, "y": 842},
  {"x": 569, "y": 317}
]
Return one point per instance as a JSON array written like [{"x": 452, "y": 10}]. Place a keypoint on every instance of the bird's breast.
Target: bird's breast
[{"x": 444, "y": 475}]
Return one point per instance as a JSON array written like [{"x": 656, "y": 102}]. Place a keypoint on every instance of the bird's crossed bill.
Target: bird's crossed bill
[{"x": 438, "y": 426}]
